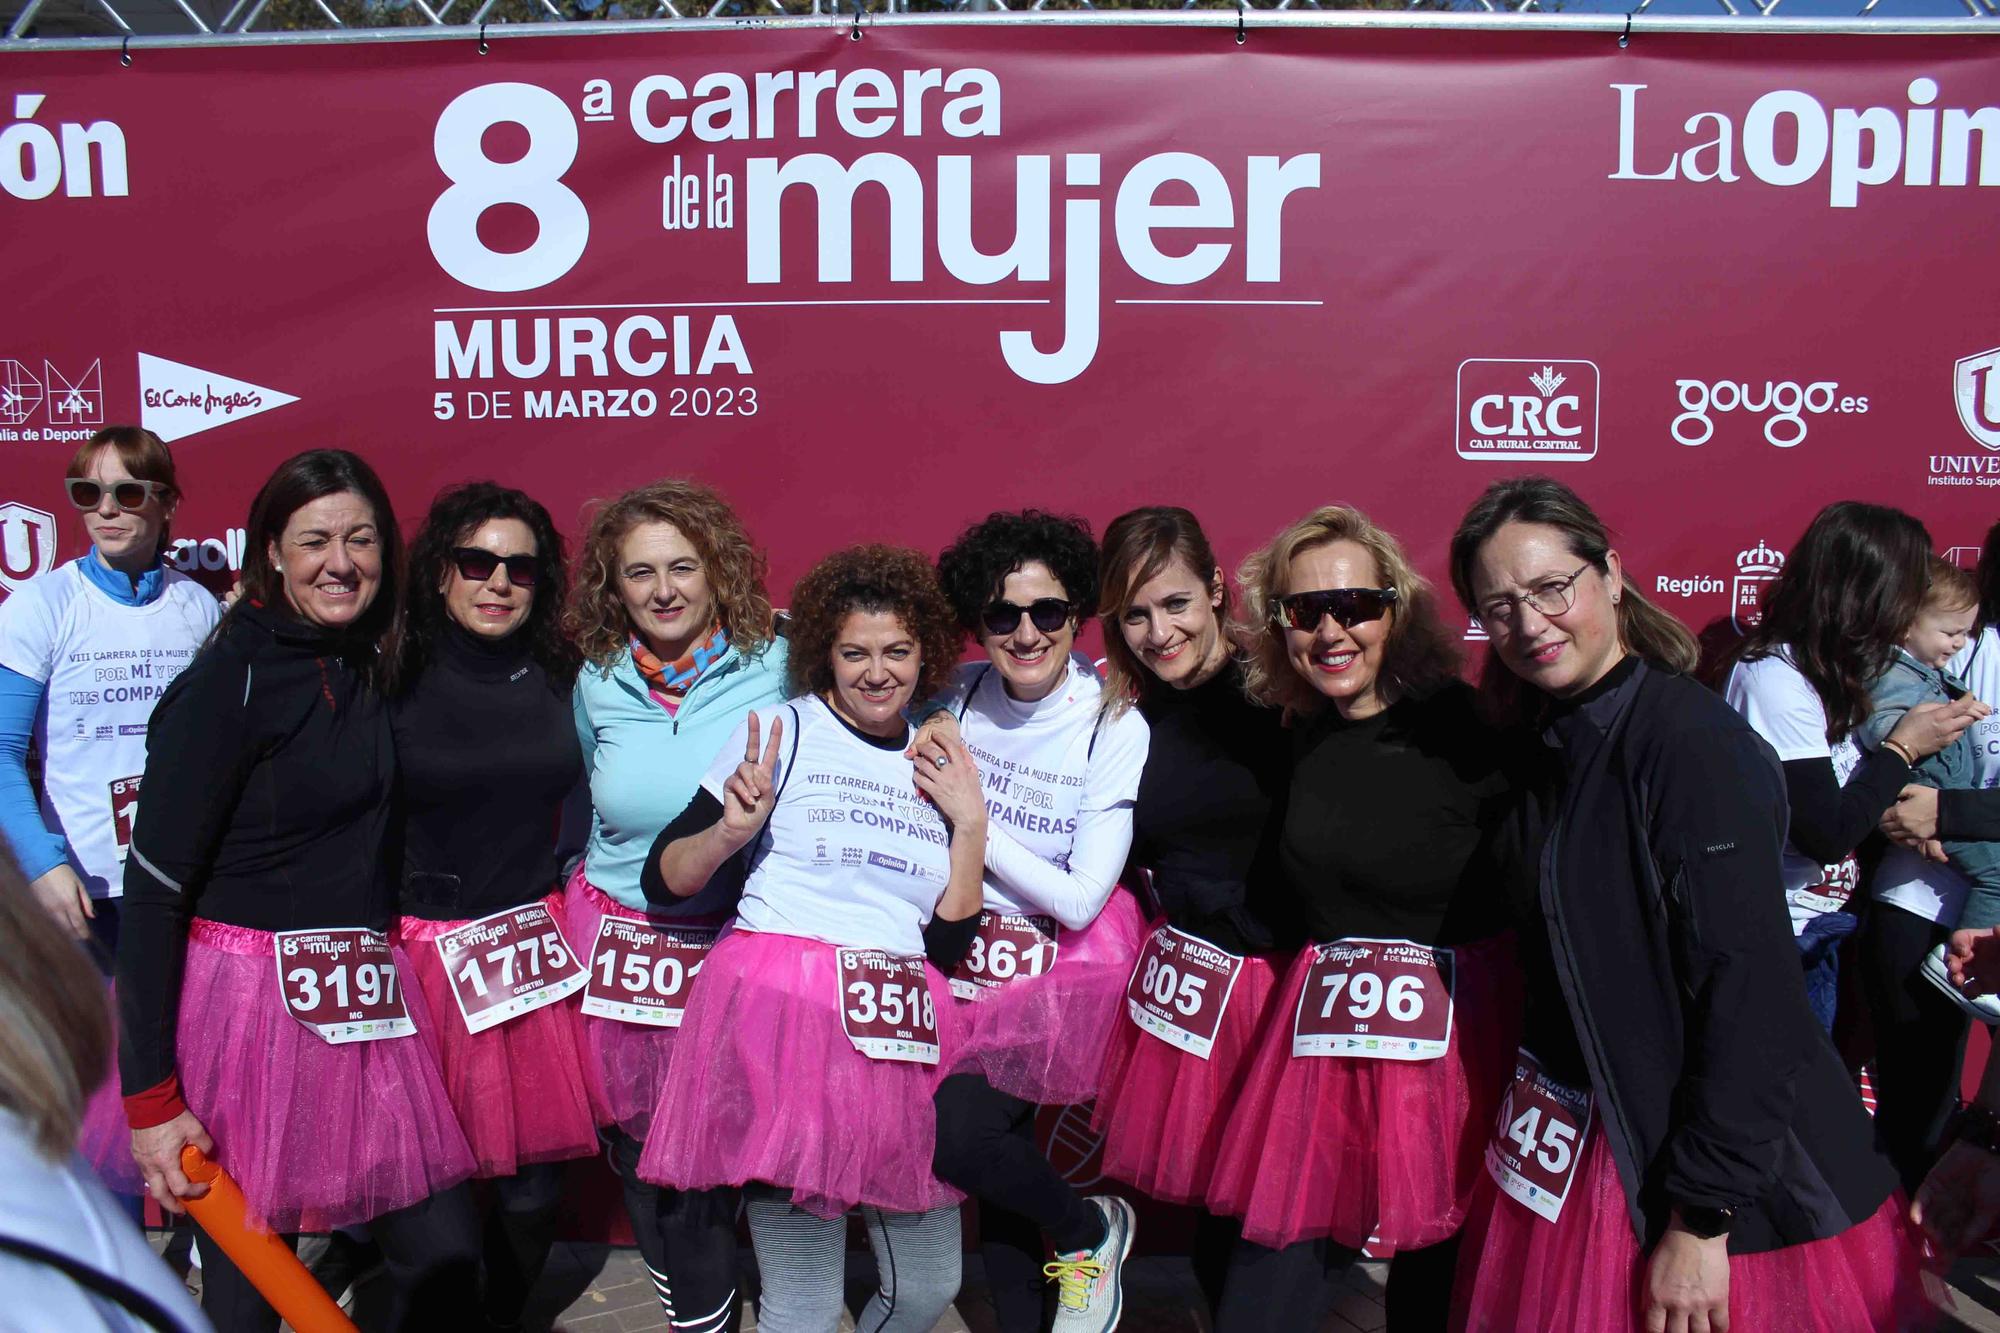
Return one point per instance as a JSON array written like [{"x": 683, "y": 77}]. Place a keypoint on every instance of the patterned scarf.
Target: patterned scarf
[{"x": 669, "y": 682}]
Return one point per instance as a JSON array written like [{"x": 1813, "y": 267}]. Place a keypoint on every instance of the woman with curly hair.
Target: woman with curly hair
[
  {"x": 1044, "y": 978},
  {"x": 676, "y": 630},
  {"x": 806, "y": 1062},
  {"x": 486, "y": 754},
  {"x": 1368, "y": 1101}
]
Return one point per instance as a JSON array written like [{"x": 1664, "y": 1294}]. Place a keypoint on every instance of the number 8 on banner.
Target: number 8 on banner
[{"x": 562, "y": 224}]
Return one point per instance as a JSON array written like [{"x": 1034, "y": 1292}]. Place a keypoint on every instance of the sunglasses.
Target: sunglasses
[
  {"x": 127, "y": 495},
  {"x": 1049, "y": 614},
  {"x": 1348, "y": 606},
  {"x": 477, "y": 566}
]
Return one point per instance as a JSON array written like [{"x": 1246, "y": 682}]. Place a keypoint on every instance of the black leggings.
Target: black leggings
[
  {"x": 519, "y": 1232},
  {"x": 1919, "y": 1038},
  {"x": 986, "y": 1147},
  {"x": 688, "y": 1240},
  {"x": 431, "y": 1252},
  {"x": 1274, "y": 1291}
]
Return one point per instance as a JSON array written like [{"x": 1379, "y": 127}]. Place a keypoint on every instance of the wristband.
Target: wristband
[
  {"x": 1707, "y": 1223},
  {"x": 1897, "y": 748},
  {"x": 1979, "y": 1127}
]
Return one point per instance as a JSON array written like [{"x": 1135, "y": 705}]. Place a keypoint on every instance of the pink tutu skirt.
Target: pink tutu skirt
[
  {"x": 1520, "y": 1274},
  {"x": 1161, "y": 1110},
  {"x": 104, "y": 1139},
  {"x": 765, "y": 1086},
  {"x": 518, "y": 1088},
  {"x": 1043, "y": 1038},
  {"x": 1388, "y": 1149},
  {"x": 319, "y": 1136},
  {"x": 625, "y": 1064}
]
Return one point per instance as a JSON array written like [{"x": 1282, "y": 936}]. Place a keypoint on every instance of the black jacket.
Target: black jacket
[{"x": 1656, "y": 833}]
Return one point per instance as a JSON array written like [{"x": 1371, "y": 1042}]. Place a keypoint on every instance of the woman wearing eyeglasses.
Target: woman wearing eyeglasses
[
  {"x": 85, "y": 651},
  {"x": 1367, "y": 1106},
  {"x": 1680, "y": 1147},
  {"x": 1044, "y": 980},
  {"x": 679, "y": 645},
  {"x": 486, "y": 753}
]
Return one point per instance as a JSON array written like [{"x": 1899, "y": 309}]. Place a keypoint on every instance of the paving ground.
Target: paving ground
[{"x": 599, "y": 1289}]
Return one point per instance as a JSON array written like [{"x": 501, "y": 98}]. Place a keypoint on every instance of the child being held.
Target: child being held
[{"x": 1917, "y": 676}]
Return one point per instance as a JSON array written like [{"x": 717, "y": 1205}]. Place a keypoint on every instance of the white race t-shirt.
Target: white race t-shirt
[
  {"x": 851, "y": 855},
  {"x": 1047, "y": 767},
  {"x": 103, "y": 666},
  {"x": 1780, "y": 705}
]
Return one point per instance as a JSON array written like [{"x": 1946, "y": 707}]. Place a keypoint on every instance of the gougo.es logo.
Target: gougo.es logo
[{"x": 1787, "y": 402}]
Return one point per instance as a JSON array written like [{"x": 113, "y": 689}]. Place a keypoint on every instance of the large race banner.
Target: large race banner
[{"x": 875, "y": 288}]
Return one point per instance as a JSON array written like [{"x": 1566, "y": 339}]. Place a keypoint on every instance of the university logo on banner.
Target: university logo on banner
[
  {"x": 1535, "y": 410},
  {"x": 27, "y": 543},
  {"x": 1754, "y": 568},
  {"x": 1976, "y": 387}
]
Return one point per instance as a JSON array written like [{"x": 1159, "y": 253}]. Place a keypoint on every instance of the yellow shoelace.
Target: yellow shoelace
[{"x": 1073, "y": 1278}]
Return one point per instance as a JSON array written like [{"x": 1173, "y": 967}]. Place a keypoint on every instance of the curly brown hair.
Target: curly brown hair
[
  {"x": 596, "y": 618},
  {"x": 1419, "y": 654},
  {"x": 870, "y": 578}
]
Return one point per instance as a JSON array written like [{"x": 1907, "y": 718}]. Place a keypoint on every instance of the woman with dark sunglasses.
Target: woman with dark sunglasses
[
  {"x": 1367, "y": 1105},
  {"x": 1044, "y": 978},
  {"x": 487, "y": 752},
  {"x": 1205, "y": 835},
  {"x": 85, "y": 651}
]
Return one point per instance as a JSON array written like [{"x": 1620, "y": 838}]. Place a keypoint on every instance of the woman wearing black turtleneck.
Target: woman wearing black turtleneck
[
  {"x": 487, "y": 751},
  {"x": 1203, "y": 834},
  {"x": 289, "y": 1058}
]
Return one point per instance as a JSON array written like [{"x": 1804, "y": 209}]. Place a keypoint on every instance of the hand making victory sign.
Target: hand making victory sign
[{"x": 750, "y": 792}]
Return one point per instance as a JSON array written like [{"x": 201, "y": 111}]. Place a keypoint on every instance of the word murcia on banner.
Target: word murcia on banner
[{"x": 724, "y": 107}]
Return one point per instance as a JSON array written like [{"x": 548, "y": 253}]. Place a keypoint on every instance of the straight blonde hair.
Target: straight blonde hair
[{"x": 55, "y": 1022}]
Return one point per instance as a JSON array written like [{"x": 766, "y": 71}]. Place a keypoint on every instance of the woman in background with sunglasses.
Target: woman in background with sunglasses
[
  {"x": 1044, "y": 978},
  {"x": 1364, "y": 1117},
  {"x": 486, "y": 753},
  {"x": 679, "y": 645},
  {"x": 85, "y": 651}
]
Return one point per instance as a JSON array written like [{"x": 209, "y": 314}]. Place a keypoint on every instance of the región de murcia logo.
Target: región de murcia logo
[{"x": 1754, "y": 568}]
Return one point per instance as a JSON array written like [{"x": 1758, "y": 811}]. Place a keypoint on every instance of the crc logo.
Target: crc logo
[
  {"x": 27, "y": 543},
  {"x": 1787, "y": 401},
  {"x": 1754, "y": 568},
  {"x": 1545, "y": 411},
  {"x": 1977, "y": 389}
]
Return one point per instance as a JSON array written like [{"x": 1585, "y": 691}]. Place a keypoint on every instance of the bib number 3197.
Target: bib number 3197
[
  {"x": 1538, "y": 1138},
  {"x": 1375, "y": 1000},
  {"x": 886, "y": 1006},
  {"x": 508, "y": 964},
  {"x": 1180, "y": 989},
  {"x": 342, "y": 984}
]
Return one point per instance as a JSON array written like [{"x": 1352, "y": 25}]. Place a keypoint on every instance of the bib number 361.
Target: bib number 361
[
  {"x": 1538, "y": 1138},
  {"x": 1007, "y": 947},
  {"x": 1375, "y": 1000},
  {"x": 1180, "y": 989},
  {"x": 508, "y": 964},
  {"x": 342, "y": 984},
  {"x": 886, "y": 1006}
]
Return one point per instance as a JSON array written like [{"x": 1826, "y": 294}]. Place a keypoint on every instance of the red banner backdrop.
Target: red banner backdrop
[{"x": 875, "y": 288}]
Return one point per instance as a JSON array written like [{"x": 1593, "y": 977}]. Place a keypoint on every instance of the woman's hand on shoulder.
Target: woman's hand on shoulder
[{"x": 928, "y": 747}]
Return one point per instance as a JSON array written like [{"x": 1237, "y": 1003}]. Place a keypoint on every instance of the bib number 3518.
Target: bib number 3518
[
  {"x": 886, "y": 1006},
  {"x": 342, "y": 984}
]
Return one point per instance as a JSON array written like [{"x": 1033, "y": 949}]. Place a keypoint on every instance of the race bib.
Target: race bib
[
  {"x": 1538, "y": 1137},
  {"x": 1837, "y": 884},
  {"x": 342, "y": 984},
  {"x": 124, "y": 810},
  {"x": 508, "y": 964},
  {"x": 1006, "y": 947},
  {"x": 641, "y": 972},
  {"x": 1375, "y": 1000},
  {"x": 1179, "y": 989},
  {"x": 886, "y": 1006}
]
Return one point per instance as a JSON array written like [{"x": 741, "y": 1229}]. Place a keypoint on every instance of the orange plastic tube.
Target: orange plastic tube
[{"x": 267, "y": 1261}]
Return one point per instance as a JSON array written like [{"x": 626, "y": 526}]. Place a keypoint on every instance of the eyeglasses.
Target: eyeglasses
[
  {"x": 1049, "y": 614},
  {"x": 1348, "y": 607},
  {"x": 127, "y": 495},
  {"x": 1551, "y": 597},
  {"x": 477, "y": 566}
]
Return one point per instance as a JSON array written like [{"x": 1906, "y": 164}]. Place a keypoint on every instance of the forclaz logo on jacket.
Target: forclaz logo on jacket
[
  {"x": 1535, "y": 409},
  {"x": 27, "y": 543}
]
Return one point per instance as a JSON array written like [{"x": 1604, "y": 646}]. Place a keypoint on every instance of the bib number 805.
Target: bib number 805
[{"x": 1169, "y": 986}]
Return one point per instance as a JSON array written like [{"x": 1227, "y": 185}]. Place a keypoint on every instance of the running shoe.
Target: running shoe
[{"x": 1090, "y": 1291}]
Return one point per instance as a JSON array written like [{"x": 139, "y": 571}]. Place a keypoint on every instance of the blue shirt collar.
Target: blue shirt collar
[{"x": 119, "y": 588}]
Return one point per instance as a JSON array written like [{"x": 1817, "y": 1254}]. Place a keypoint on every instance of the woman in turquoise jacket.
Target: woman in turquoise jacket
[{"x": 678, "y": 636}]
